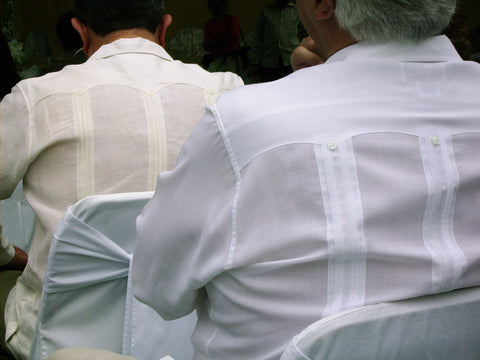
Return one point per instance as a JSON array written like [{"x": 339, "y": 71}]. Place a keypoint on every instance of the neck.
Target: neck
[
  {"x": 98, "y": 41},
  {"x": 339, "y": 46},
  {"x": 333, "y": 39}
]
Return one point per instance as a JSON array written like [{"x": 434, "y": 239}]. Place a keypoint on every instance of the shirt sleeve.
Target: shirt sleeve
[
  {"x": 14, "y": 152},
  {"x": 7, "y": 251},
  {"x": 184, "y": 234},
  {"x": 15, "y": 137}
]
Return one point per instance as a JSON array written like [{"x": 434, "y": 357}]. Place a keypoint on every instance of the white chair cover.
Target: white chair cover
[
  {"x": 17, "y": 219},
  {"x": 87, "y": 298},
  {"x": 91, "y": 354},
  {"x": 437, "y": 327}
]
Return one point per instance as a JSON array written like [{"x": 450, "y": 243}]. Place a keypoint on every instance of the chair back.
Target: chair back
[
  {"x": 87, "y": 298},
  {"x": 436, "y": 327}
]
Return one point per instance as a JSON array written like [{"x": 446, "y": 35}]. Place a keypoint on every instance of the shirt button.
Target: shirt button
[
  {"x": 435, "y": 140},
  {"x": 332, "y": 146}
]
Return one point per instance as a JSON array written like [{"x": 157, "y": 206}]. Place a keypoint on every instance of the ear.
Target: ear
[
  {"x": 82, "y": 30},
  {"x": 324, "y": 9},
  {"x": 162, "y": 29}
]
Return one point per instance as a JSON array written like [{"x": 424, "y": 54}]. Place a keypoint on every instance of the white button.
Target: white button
[
  {"x": 332, "y": 146},
  {"x": 435, "y": 140}
]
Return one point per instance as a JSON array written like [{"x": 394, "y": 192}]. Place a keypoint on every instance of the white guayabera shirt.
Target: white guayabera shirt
[
  {"x": 348, "y": 183},
  {"x": 109, "y": 125}
]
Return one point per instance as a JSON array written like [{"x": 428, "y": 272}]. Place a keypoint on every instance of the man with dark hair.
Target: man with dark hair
[
  {"x": 108, "y": 125},
  {"x": 347, "y": 183},
  {"x": 108, "y": 16}
]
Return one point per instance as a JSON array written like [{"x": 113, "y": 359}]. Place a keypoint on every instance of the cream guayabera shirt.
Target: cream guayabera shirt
[
  {"x": 107, "y": 126},
  {"x": 348, "y": 183}
]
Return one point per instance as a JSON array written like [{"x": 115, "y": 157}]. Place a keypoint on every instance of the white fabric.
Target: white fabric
[
  {"x": 86, "y": 354},
  {"x": 109, "y": 125},
  {"x": 91, "y": 354},
  {"x": 345, "y": 184},
  {"x": 87, "y": 299},
  {"x": 18, "y": 220},
  {"x": 436, "y": 327}
]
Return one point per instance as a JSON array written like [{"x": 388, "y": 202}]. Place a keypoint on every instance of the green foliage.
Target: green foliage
[{"x": 7, "y": 22}]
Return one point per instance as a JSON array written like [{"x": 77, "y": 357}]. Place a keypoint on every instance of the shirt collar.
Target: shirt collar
[
  {"x": 130, "y": 46},
  {"x": 434, "y": 49}
]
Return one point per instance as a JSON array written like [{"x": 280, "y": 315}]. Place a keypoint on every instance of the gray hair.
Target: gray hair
[{"x": 378, "y": 21}]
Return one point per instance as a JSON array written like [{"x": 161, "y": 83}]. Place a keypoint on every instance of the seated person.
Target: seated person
[
  {"x": 353, "y": 182},
  {"x": 108, "y": 125},
  {"x": 278, "y": 32},
  {"x": 221, "y": 39},
  {"x": 221, "y": 34}
]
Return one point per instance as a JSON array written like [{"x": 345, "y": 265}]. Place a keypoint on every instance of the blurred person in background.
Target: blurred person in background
[
  {"x": 221, "y": 37},
  {"x": 278, "y": 31},
  {"x": 7, "y": 68}
]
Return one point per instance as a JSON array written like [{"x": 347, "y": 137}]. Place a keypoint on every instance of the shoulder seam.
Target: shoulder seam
[
  {"x": 236, "y": 170},
  {"x": 30, "y": 122}
]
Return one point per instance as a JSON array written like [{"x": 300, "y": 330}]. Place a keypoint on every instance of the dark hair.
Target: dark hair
[
  {"x": 217, "y": 7},
  {"x": 214, "y": 2},
  {"x": 7, "y": 68},
  {"x": 106, "y": 16},
  {"x": 68, "y": 36}
]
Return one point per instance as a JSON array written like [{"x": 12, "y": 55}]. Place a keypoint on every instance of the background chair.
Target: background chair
[
  {"x": 436, "y": 327},
  {"x": 87, "y": 298},
  {"x": 88, "y": 354}
]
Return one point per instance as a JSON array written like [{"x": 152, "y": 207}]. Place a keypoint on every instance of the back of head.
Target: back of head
[
  {"x": 379, "y": 21},
  {"x": 217, "y": 7},
  {"x": 107, "y": 16}
]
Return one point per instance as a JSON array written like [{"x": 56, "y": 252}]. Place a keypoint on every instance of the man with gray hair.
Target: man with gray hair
[
  {"x": 109, "y": 125},
  {"x": 348, "y": 183}
]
